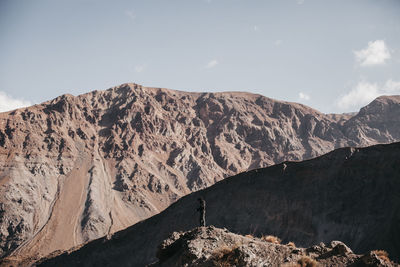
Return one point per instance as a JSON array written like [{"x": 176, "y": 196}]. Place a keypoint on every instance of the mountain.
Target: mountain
[
  {"x": 74, "y": 169},
  {"x": 350, "y": 194}
]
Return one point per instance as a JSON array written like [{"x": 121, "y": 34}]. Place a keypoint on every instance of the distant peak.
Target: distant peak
[{"x": 395, "y": 98}]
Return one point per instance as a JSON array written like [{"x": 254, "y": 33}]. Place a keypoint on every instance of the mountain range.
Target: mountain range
[{"x": 74, "y": 169}]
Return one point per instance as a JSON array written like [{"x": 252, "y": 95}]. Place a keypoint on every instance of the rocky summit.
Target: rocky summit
[
  {"x": 74, "y": 169},
  {"x": 350, "y": 194},
  {"x": 208, "y": 247}
]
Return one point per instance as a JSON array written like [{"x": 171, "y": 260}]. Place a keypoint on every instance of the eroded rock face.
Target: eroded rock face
[
  {"x": 210, "y": 246},
  {"x": 350, "y": 194},
  {"x": 77, "y": 168}
]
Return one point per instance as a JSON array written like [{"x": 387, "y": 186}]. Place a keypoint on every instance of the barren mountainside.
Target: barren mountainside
[
  {"x": 77, "y": 168},
  {"x": 350, "y": 194}
]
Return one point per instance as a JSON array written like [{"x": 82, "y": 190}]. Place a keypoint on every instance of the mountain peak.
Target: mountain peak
[{"x": 210, "y": 246}]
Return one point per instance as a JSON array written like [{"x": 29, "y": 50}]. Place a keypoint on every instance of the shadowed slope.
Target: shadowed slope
[
  {"x": 77, "y": 168},
  {"x": 126, "y": 153},
  {"x": 350, "y": 194}
]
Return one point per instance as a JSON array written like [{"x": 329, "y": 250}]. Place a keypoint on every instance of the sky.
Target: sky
[{"x": 334, "y": 56}]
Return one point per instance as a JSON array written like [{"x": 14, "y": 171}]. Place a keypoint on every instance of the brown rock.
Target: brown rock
[
  {"x": 206, "y": 247},
  {"x": 77, "y": 168}
]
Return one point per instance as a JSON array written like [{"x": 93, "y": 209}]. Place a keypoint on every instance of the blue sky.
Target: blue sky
[{"x": 335, "y": 56}]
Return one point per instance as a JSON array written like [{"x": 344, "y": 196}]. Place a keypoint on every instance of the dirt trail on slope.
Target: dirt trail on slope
[
  {"x": 157, "y": 145},
  {"x": 65, "y": 218}
]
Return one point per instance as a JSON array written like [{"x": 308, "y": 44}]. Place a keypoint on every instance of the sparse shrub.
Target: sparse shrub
[
  {"x": 307, "y": 262},
  {"x": 271, "y": 239},
  {"x": 227, "y": 256},
  {"x": 291, "y": 244},
  {"x": 225, "y": 250},
  {"x": 382, "y": 254}
]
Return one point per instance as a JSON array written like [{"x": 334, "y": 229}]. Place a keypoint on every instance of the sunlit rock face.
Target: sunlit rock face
[{"x": 78, "y": 168}]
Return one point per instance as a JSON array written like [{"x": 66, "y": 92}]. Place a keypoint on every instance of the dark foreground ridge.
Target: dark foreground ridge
[
  {"x": 210, "y": 246},
  {"x": 350, "y": 194}
]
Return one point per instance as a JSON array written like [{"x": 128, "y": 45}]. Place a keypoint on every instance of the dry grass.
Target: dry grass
[
  {"x": 271, "y": 239},
  {"x": 225, "y": 250},
  {"x": 291, "y": 244},
  {"x": 383, "y": 255},
  {"x": 226, "y": 256},
  {"x": 304, "y": 261},
  {"x": 249, "y": 236},
  {"x": 307, "y": 262}
]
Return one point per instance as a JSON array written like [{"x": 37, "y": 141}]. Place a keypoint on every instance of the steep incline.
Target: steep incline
[
  {"x": 77, "y": 168},
  {"x": 350, "y": 194}
]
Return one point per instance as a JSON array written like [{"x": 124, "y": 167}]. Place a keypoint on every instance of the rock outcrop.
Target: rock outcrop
[
  {"x": 77, "y": 168},
  {"x": 208, "y": 247},
  {"x": 350, "y": 194}
]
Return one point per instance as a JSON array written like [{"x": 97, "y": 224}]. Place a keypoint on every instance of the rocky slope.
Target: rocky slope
[
  {"x": 77, "y": 168},
  {"x": 207, "y": 247},
  {"x": 349, "y": 194}
]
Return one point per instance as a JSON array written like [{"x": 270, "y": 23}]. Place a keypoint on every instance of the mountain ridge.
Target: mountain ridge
[
  {"x": 210, "y": 246},
  {"x": 78, "y": 168},
  {"x": 342, "y": 195}
]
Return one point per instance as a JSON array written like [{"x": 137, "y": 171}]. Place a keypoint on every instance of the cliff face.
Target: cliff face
[
  {"x": 77, "y": 168},
  {"x": 350, "y": 194}
]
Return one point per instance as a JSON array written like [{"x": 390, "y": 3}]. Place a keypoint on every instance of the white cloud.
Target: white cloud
[
  {"x": 375, "y": 54},
  {"x": 303, "y": 96},
  {"x": 300, "y": 2},
  {"x": 139, "y": 68},
  {"x": 255, "y": 28},
  {"x": 212, "y": 64},
  {"x": 364, "y": 92},
  {"x": 130, "y": 14},
  {"x": 278, "y": 42},
  {"x": 361, "y": 94},
  {"x": 8, "y": 103},
  {"x": 392, "y": 87}
]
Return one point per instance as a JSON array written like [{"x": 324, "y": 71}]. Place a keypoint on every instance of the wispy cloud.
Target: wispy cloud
[
  {"x": 300, "y": 2},
  {"x": 212, "y": 64},
  {"x": 278, "y": 42},
  {"x": 304, "y": 96},
  {"x": 376, "y": 53},
  {"x": 364, "y": 92},
  {"x": 130, "y": 14},
  {"x": 256, "y": 28},
  {"x": 8, "y": 103}
]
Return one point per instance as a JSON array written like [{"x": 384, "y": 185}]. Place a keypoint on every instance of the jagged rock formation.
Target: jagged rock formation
[
  {"x": 77, "y": 168},
  {"x": 349, "y": 194},
  {"x": 207, "y": 247}
]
